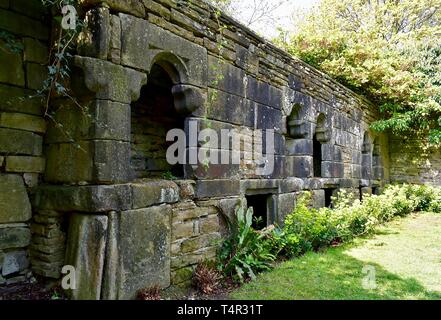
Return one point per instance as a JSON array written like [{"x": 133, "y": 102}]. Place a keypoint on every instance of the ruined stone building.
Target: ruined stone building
[{"x": 89, "y": 185}]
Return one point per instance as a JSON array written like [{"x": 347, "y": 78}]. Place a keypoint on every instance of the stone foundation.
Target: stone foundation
[{"x": 22, "y": 128}]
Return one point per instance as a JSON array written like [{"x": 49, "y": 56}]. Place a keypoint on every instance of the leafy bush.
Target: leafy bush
[
  {"x": 247, "y": 251},
  {"x": 309, "y": 229}
]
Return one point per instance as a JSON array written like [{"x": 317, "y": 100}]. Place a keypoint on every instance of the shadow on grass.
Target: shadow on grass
[{"x": 331, "y": 275}]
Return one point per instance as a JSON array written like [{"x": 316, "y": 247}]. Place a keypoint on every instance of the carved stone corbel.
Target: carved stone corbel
[
  {"x": 187, "y": 98},
  {"x": 110, "y": 81}
]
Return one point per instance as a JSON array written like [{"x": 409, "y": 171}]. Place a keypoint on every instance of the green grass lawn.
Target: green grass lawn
[{"x": 405, "y": 254}]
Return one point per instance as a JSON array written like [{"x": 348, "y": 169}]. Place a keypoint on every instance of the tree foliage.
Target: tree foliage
[{"x": 388, "y": 50}]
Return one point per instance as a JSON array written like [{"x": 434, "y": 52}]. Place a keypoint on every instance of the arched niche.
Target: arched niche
[
  {"x": 320, "y": 137},
  {"x": 164, "y": 104}
]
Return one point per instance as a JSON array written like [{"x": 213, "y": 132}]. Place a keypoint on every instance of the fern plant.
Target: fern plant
[{"x": 247, "y": 251}]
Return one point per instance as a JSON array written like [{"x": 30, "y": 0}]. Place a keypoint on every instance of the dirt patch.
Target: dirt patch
[{"x": 32, "y": 291}]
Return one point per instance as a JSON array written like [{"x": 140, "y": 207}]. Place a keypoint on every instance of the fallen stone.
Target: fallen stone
[
  {"x": 86, "y": 252},
  {"x": 14, "y": 261}
]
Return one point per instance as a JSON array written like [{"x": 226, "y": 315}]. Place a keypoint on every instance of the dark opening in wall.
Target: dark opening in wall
[
  {"x": 328, "y": 197},
  {"x": 375, "y": 190},
  {"x": 317, "y": 157},
  {"x": 259, "y": 203},
  {"x": 152, "y": 116}
]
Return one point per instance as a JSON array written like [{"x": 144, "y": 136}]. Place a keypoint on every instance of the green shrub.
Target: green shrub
[
  {"x": 308, "y": 229},
  {"x": 246, "y": 251}
]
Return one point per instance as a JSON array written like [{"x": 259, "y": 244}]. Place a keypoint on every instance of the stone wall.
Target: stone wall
[
  {"x": 22, "y": 128},
  {"x": 104, "y": 206},
  {"x": 414, "y": 162}
]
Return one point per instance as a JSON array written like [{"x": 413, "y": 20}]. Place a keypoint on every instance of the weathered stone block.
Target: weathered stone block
[
  {"x": 209, "y": 224},
  {"x": 195, "y": 244},
  {"x": 186, "y": 229},
  {"x": 14, "y": 237},
  {"x": 285, "y": 204},
  {"x": 233, "y": 79},
  {"x": 332, "y": 169},
  {"x": 181, "y": 275},
  {"x": 186, "y": 189},
  {"x": 228, "y": 108},
  {"x": 295, "y": 82},
  {"x": 154, "y": 192},
  {"x": 299, "y": 166},
  {"x": 291, "y": 184},
  {"x": 14, "y": 261},
  {"x": 14, "y": 141},
  {"x": 253, "y": 186},
  {"x": 139, "y": 35},
  {"x": 25, "y": 164},
  {"x": 144, "y": 250},
  {"x": 298, "y": 147},
  {"x": 14, "y": 99},
  {"x": 193, "y": 258},
  {"x": 217, "y": 188},
  {"x": 101, "y": 119},
  {"x": 111, "y": 159},
  {"x": 133, "y": 7},
  {"x": 228, "y": 209},
  {"x": 36, "y": 74},
  {"x": 11, "y": 66},
  {"x": 318, "y": 199},
  {"x": 84, "y": 198},
  {"x": 183, "y": 213},
  {"x": 35, "y": 51},
  {"x": 356, "y": 171},
  {"x": 68, "y": 162},
  {"x": 21, "y": 25},
  {"x": 14, "y": 201},
  {"x": 268, "y": 118},
  {"x": 23, "y": 122},
  {"x": 115, "y": 40},
  {"x": 86, "y": 245}
]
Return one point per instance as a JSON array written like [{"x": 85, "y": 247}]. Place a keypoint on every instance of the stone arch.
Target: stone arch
[
  {"x": 152, "y": 116},
  {"x": 165, "y": 103},
  {"x": 173, "y": 65},
  {"x": 297, "y": 126}
]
